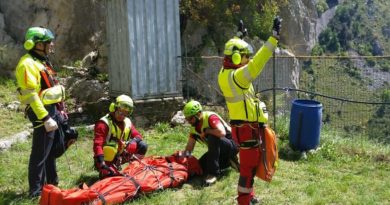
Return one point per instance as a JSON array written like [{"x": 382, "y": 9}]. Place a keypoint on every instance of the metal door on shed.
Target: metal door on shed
[{"x": 143, "y": 50}]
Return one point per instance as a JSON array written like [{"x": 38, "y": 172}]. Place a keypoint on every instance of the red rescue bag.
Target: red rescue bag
[
  {"x": 268, "y": 154},
  {"x": 140, "y": 176}
]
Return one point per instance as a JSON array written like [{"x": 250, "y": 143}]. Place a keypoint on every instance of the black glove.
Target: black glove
[
  {"x": 102, "y": 167},
  {"x": 242, "y": 31},
  {"x": 276, "y": 27},
  {"x": 99, "y": 162}
]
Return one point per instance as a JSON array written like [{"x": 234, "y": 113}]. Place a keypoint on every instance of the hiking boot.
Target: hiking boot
[
  {"x": 210, "y": 179},
  {"x": 234, "y": 163},
  {"x": 254, "y": 200}
]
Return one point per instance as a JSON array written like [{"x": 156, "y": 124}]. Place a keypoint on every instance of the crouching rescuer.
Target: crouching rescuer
[
  {"x": 209, "y": 128},
  {"x": 116, "y": 139}
]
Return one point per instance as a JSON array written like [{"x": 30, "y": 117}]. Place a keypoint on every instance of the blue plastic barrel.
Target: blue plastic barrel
[{"x": 305, "y": 124}]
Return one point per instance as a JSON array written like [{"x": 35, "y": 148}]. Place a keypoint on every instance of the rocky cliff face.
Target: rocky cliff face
[
  {"x": 299, "y": 26},
  {"x": 79, "y": 27}
]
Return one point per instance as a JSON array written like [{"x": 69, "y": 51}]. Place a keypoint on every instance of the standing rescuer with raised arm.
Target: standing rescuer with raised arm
[{"x": 246, "y": 112}]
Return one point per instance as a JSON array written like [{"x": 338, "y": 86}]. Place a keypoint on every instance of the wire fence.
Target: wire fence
[{"x": 349, "y": 88}]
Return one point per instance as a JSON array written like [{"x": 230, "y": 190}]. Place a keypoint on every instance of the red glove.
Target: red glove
[{"x": 131, "y": 147}]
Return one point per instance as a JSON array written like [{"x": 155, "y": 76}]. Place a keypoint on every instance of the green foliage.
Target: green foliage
[
  {"x": 78, "y": 63},
  {"x": 162, "y": 127},
  {"x": 7, "y": 90},
  {"x": 325, "y": 76},
  {"x": 321, "y": 7},
  {"x": 329, "y": 40},
  {"x": 378, "y": 126},
  {"x": 317, "y": 50},
  {"x": 219, "y": 15},
  {"x": 364, "y": 49},
  {"x": 282, "y": 126},
  {"x": 102, "y": 77},
  {"x": 12, "y": 121},
  {"x": 386, "y": 96},
  {"x": 354, "y": 27},
  {"x": 385, "y": 66}
]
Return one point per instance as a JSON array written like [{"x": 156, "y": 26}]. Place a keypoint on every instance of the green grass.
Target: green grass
[
  {"x": 11, "y": 121},
  {"x": 343, "y": 171}
]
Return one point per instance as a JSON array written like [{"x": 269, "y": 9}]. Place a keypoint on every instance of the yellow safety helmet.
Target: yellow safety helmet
[
  {"x": 192, "y": 108},
  {"x": 124, "y": 102},
  {"x": 237, "y": 47}
]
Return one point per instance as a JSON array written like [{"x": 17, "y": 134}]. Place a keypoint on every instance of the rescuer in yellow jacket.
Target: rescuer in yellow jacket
[
  {"x": 210, "y": 129},
  {"x": 116, "y": 140},
  {"x": 247, "y": 113},
  {"x": 43, "y": 96}
]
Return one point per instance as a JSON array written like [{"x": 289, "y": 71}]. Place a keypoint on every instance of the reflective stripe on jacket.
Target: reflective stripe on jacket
[
  {"x": 237, "y": 88},
  {"x": 29, "y": 84},
  {"x": 36, "y": 85}
]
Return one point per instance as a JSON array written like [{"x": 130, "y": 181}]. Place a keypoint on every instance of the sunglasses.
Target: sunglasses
[{"x": 125, "y": 108}]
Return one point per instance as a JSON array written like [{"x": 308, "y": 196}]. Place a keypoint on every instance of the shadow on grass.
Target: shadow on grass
[
  {"x": 288, "y": 154},
  {"x": 87, "y": 179},
  {"x": 10, "y": 197},
  {"x": 195, "y": 182}
]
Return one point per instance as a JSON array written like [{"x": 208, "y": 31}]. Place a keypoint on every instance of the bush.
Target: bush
[
  {"x": 317, "y": 50},
  {"x": 257, "y": 16},
  {"x": 329, "y": 40},
  {"x": 378, "y": 125},
  {"x": 321, "y": 7}
]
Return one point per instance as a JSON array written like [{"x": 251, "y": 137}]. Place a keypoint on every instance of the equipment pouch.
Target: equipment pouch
[
  {"x": 109, "y": 152},
  {"x": 268, "y": 155},
  {"x": 53, "y": 95}
]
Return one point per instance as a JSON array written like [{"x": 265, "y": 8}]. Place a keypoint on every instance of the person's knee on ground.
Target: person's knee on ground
[{"x": 142, "y": 148}]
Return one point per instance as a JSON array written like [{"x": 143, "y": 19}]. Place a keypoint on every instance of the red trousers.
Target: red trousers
[{"x": 247, "y": 135}]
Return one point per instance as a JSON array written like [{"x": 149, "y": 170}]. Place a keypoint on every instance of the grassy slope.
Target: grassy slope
[
  {"x": 343, "y": 171},
  {"x": 331, "y": 79},
  {"x": 11, "y": 121},
  {"x": 340, "y": 78}
]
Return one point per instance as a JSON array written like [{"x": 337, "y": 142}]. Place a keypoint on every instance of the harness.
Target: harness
[
  {"x": 116, "y": 137},
  {"x": 250, "y": 130}
]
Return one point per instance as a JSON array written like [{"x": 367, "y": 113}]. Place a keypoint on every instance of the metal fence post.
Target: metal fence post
[{"x": 274, "y": 88}]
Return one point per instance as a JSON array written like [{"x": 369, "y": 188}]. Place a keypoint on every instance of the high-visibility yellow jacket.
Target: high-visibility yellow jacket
[
  {"x": 115, "y": 136},
  {"x": 237, "y": 88},
  {"x": 115, "y": 131},
  {"x": 36, "y": 86},
  {"x": 205, "y": 124}
]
